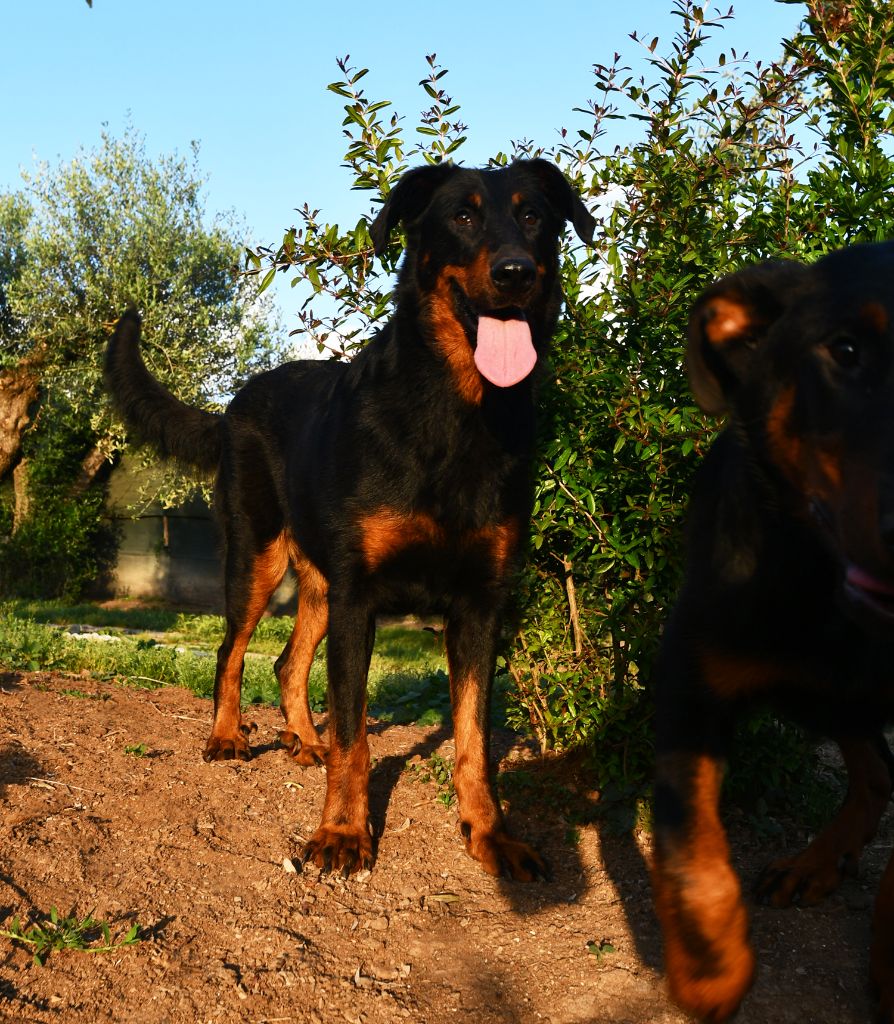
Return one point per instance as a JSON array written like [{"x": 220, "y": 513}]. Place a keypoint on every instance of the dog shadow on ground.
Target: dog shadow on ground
[{"x": 551, "y": 800}]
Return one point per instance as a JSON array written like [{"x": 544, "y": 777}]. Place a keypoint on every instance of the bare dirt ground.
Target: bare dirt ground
[{"x": 199, "y": 855}]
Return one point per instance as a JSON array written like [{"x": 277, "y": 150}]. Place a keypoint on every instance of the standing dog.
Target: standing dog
[
  {"x": 788, "y": 596},
  {"x": 398, "y": 482}
]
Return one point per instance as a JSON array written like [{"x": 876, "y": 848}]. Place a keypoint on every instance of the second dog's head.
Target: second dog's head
[{"x": 803, "y": 359}]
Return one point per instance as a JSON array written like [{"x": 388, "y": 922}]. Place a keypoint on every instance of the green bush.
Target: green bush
[
  {"x": 788, "y": 159},
  {"x": 727, "y": 161}
]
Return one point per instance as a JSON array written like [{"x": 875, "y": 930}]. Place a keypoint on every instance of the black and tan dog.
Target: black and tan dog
[
  {"x": 789, "y": 596},
  {"x": 398, "y": 482}
]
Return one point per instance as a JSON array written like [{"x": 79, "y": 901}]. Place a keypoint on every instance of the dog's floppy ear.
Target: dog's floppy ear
[
  {"x": 728, "y": 324},
  {"x": 408, "y": 200},
  {"x": 564, "y": 197}
]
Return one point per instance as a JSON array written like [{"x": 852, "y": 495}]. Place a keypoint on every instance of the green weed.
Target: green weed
[
  {"x": 59, "y": 933},
  {"x": 27, "y": 646},
  {"x": 437, "y": 770},
  {"x": 600, "y": 949}
]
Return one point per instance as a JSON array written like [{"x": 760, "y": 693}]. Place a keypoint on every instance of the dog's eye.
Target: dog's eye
[
  {"x": 845, "y": 351},
  {"x": 530, "y": 218},
  {"x": 463, "y": 218}
]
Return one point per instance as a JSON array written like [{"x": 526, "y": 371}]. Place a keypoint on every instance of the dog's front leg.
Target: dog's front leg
[
  {"x": 710, "y": 963},
  {"x": 471, "y": 653},
  {"x": 343, "y": 842}
]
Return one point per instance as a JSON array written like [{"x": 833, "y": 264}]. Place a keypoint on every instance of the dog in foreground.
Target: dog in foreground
[
  {"x": 788, "y": 597},
  {"x": 398, "y": 482}
]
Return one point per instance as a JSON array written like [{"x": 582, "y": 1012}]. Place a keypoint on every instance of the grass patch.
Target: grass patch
[
  {"x": 407, "y": 678},
  {"x": 83, "y": 695},
  {"x": 148, "y": 619}
]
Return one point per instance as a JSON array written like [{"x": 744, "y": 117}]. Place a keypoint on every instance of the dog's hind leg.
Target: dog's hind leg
[
  {"x": 251, "y": 577},
  {"x": 300, "y": 736},
  {"x": 343, "y": 842},
  {"x": 835, "y": 852},
  {"x": 471, "y": 653}
]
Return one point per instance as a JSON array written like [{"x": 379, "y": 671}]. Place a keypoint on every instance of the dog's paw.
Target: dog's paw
[
  {"x": 343, "y": 848},
  {"x": 499, "y": 854},
  {"x": 713, "y": 998},
  {"x": 709, "y": 960},
  {"x": 710, "y": 964},
  {"x": 307, "y": 754},
  {"x": 230, "y": 747},
  {"x": 805, "y": 879}
]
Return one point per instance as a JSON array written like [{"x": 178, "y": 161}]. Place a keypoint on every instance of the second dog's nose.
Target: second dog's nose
[{"x": 513, "y": 272}]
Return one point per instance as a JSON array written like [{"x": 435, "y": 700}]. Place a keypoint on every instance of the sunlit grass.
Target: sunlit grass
[{"x": 407, "y": 678}]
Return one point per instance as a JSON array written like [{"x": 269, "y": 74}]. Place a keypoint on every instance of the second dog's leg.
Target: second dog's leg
[
  {"x": 835, "y": 852},
  {"x": 698, "y": 898}
]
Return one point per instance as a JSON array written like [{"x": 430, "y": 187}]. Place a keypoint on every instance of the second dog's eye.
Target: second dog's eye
[
  {"x": 530, "y": 218},
  {"x": 845, "y": 351},
  {"x": 463, "y": 218}
]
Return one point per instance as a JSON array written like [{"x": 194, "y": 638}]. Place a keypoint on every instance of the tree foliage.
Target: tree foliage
[{"x": 80, "y": 243}]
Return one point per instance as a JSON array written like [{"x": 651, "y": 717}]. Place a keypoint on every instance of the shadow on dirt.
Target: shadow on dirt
[
  {"x": 549, "y": 801},
  {"x": 17, "y": 766},
  {"x": 384, "y": 775},
  {"x": 9, "y": 971},
  {"x": 10, "y": 681}
]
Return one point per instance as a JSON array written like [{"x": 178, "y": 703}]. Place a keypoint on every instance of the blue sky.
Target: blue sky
[{"x": 248, "y": 81}]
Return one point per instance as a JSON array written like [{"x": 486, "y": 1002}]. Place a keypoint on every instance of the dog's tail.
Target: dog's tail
[{"x": 175, "y": 430}]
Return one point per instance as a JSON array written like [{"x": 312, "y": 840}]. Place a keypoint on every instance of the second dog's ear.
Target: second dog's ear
[
  {"x": 728, "y": 324},
  {"x": 407, "y": 201}
]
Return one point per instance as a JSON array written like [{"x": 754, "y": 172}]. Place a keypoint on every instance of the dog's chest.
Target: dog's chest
[{"x": 388, "y": 535}]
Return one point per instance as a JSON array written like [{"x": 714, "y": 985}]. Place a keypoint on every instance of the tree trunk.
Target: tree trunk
[
  {"x": 91, "y": 464},
  {"x": 22, "y": 491},
  {"x": 19, "y": 388}
]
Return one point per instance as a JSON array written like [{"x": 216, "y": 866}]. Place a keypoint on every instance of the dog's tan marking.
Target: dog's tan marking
[
  {"x": 386, "y": 532},
  {"x": 726, "y": 319},
  {"x": 710, "y": 964},
  {"x": 228, "y": 732},
  {"x": 300, "y": 735}
]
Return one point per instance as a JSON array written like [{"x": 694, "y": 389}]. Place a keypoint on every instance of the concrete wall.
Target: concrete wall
[
  {"x": 166, "y": 554},
  {"x": 171, "y": 555}
]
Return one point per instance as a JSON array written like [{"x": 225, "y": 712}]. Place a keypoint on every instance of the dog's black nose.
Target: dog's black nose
[{"x": 514, "y": 273}]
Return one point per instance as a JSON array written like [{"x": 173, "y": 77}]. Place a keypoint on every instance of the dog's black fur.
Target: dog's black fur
[
  {"x": 789, "y": 596},
  {"x": 397, "y": 482}
]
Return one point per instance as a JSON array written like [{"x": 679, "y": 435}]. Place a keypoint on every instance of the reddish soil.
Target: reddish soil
[{"x": 199, "y": 855}]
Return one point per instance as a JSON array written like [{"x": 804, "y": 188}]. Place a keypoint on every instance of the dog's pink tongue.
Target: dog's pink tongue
[{"x": 504, "y": 353}]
